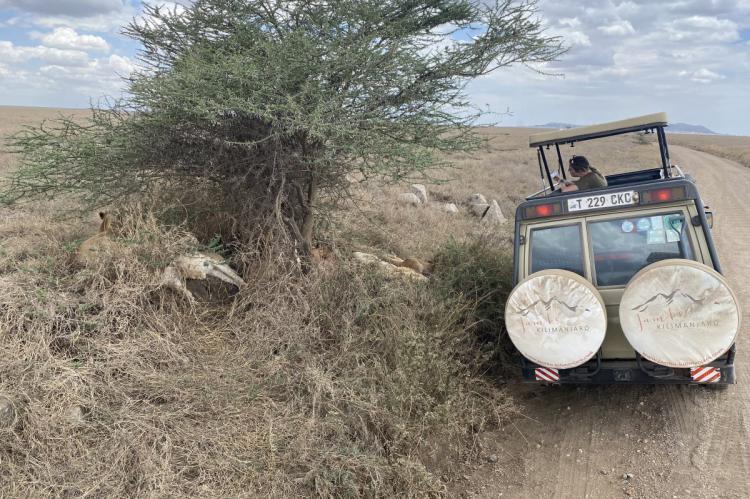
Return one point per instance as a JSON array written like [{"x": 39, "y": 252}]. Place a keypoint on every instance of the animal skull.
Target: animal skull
[{"x": 198, "y": 266}]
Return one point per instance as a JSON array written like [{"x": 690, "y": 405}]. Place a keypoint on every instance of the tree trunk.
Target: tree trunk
[{"x": 308, "y": 218}]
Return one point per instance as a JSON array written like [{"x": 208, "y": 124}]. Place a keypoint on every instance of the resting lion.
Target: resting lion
[
  {"x": 195, "y": 266},
  {"x": 99, "y": 244}
]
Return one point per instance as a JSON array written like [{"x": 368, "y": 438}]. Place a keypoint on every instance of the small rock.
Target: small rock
[
  {"x": 494, "y": 214},
  {"x": 538, "y": 446},
  {"x": 449, "y": 208},
  {"x": 627, "y": 476},
  {"x": 477, "y": 198},
  {"x": 409, "y": 198},
  {"x": 7, "y": 412},
  {"x": 580, "y": 451},
  {"x": 645, "y": 440},
  {"x": 493, "y": 458},
  {"x": 420, "y": 191},
  {"x": 567, "y": 408},
  {"x": 604, "y": 472},
  {"x": 478, "y": 204},
  {"x": 466, "y": 477},
  {"x": 77, "y": 414}
]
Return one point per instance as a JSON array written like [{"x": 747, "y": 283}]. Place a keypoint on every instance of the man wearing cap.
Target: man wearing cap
[{"x": 588, "y": 176}]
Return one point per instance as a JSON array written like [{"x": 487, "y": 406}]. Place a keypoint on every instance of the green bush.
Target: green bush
[{"x": 479, "y": 274}]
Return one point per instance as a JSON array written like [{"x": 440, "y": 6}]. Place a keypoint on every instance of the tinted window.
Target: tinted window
[
  {"x": 624, "y": 246},
  {"x": 557, "y": 248}
]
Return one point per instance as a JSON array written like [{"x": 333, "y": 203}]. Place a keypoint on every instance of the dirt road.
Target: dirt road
[{"x": 641, "y": 441}]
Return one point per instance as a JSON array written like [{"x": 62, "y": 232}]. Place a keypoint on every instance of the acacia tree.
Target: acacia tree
[{"x": 278, "y": 103}]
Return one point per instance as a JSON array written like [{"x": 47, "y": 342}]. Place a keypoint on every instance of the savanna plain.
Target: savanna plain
[{"x": 340, "y": 382}]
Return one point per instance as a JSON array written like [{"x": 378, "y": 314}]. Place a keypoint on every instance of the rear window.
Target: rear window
[
  {"x": 557, "y": 248},
  {"x": 623, "y": 246}
]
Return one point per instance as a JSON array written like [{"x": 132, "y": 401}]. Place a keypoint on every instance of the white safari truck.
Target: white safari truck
[{"x": 619, "y": 284}]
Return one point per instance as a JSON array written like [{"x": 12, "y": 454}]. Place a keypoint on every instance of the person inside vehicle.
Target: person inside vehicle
[{"x": 588, "y": 176}]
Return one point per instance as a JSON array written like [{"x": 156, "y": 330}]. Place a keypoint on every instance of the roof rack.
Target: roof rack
[
  {"x": 578, "y": 134},
  {"x": 650, "y": 122}
]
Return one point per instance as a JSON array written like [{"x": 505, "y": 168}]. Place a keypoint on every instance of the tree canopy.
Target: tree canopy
[{"x": 275, "y": 105}]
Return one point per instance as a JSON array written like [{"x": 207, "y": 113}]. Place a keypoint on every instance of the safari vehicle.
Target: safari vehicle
[{"x": 619, "y": 284}]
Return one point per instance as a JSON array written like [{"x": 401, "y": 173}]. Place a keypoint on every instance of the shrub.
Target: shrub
[{"x": 338, "y": 383}]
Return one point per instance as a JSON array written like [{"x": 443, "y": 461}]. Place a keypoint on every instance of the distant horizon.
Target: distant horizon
[
  {"x": 483, "y": 125},
  {"x": 690, "y": 59}
]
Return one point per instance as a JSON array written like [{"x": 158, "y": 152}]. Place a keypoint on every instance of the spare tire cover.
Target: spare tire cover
[
  {"x": 679, "y": 313},
  {"x": 556, "y": 318}
]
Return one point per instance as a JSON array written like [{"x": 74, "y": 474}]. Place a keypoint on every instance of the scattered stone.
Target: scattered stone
[
  {"x": 77, "y": 414},
  {"x": 580, "y": 451},
  {"x": 478, "y": 204},
  {"x": 420, "y": 191},
  {"x": 493, "y": 458},
  {"x": 466, "y": 477},
  {"x": 494, "y": 214},
  {"x": 409, "y": 198},
  {"x": 449, "y": 208},
  {"x": 645, "y": 440},
  {"x": 7, "y": 412},
  {"x": 627, "y": 476},
  {"x": 538, "y": 446},
  {"x": 604, "y": 472}
]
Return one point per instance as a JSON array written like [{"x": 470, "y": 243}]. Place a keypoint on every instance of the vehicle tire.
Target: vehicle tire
[
  {"x": 679, "y": 313},
  {"x": 556, "y": 319}
]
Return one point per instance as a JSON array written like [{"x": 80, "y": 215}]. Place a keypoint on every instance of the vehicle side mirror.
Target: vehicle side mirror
[{"x": 696, "y": 220}]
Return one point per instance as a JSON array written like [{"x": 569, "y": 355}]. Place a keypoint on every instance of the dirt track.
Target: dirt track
[{"x": 671, "y": 441}]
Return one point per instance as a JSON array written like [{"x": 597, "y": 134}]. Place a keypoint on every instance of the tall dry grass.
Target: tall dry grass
[
  {"x": 736, "y": 148},
  {"x": 337, "y": 383}
]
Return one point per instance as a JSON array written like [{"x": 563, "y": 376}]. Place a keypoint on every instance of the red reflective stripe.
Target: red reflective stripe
[
  {"x": 699, "y": 372},
  {"x": 705, "y": 374},
  {"x": 543, "y": 377},
  {"x": 715, "y": 378},
  {"x": 548, "y": 373},
  {"x": 708, "y": 373}
]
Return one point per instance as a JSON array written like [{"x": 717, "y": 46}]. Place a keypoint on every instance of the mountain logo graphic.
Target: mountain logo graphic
[
  {"x": 546, "y": 305},
  {"x": 661, "y": 300}
]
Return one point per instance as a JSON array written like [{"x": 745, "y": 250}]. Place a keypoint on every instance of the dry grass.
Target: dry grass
[
  {"x": 337, "y": 383},
  {"x": 729, "y": 147}
]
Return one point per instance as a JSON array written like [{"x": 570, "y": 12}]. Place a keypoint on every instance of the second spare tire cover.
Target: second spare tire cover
[
  {"x": 556, "y": 319},
  {"x": 679, "y": 313}
]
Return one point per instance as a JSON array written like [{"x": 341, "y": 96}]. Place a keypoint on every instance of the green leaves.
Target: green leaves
[{"x": 263, "y": 98}]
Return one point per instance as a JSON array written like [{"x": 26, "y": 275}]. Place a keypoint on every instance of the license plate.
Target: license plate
[{"x": 602, "y": 201}]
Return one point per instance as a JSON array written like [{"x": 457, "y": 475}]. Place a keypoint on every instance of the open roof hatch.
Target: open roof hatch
[{"x": 650, "y": 122}]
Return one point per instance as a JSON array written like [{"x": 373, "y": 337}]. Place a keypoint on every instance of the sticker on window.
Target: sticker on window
[
  {"x": 656, "y": 237},
  {"x": 643, "y": 225},
  {"x": 627, "y": 226}
]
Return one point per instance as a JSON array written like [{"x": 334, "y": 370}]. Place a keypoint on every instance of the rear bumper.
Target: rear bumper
[{"x": 599, "y": 371}]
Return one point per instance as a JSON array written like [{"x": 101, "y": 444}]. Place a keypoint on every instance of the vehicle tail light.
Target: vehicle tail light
[
  {"x": 662, "y": 195},
  {"x": 542, "y": 210}
]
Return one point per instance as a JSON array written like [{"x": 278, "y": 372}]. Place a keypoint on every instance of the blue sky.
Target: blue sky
[{"x": 690, "y": 58}]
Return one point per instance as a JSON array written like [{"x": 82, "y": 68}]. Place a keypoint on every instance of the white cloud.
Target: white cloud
[
  {"x": 67, "y": 38},
  {"x": 571, "y": 22},
  {"x": 708, "y": 29},
  {"x": 73, "y": 8},
  {"x": 703, "y": 75},
  {"x": 20, "y": 54},
  {"x": 636, "y": 56},
  {"x": 618, "y": 28}
]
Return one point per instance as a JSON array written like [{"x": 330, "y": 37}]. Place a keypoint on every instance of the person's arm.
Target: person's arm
[{"x": 569, "y": 187}]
